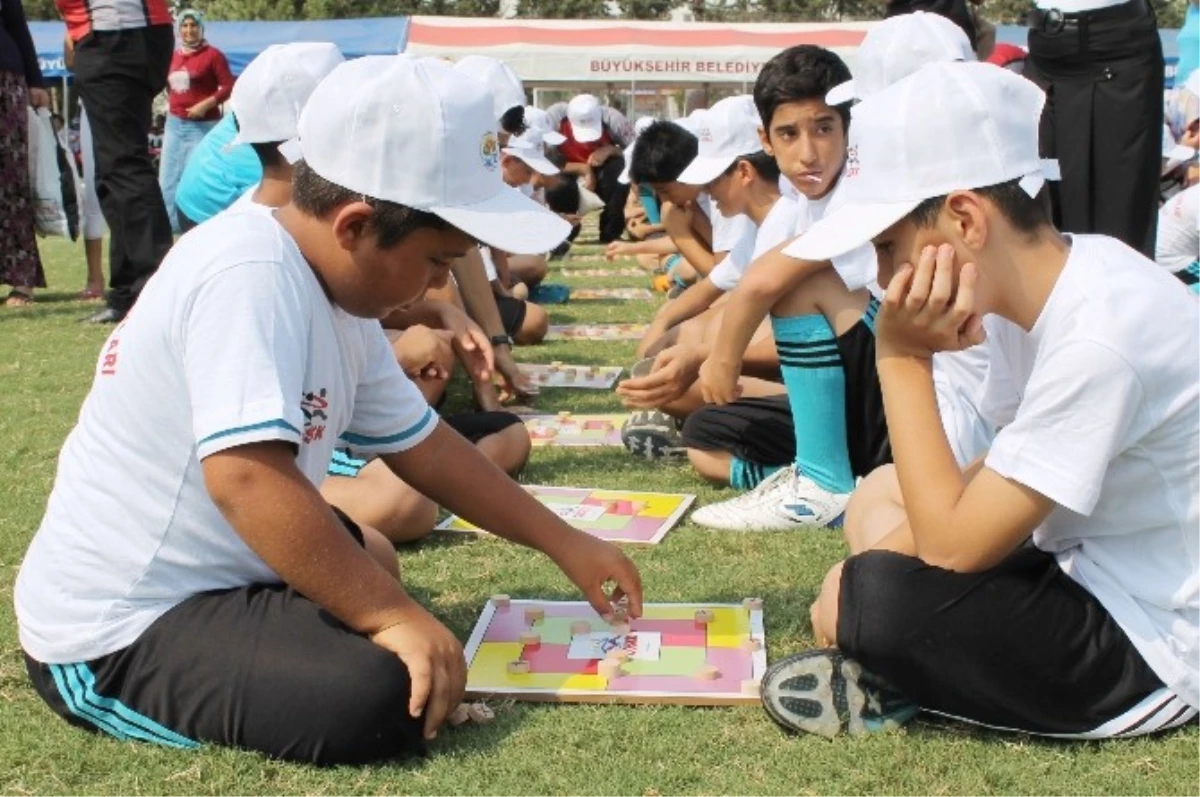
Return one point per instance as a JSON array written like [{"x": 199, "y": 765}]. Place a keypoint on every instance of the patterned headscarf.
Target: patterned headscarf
[{"x": 198, "y": 18}]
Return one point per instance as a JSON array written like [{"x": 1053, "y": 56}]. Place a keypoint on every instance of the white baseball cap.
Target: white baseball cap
[
  {"x": 415, "y": 132},
  {"x": 897, "y": 47},
  {"x": 537, "y": 119},
  {"x": 587, "y": 123},
  {"x": 498, "y": 77},
  {"x": 727, "y": 131},
  {"x": 274, "y": 88},
  {"x": 528, "y": 147},
  {"x": 947, "y": 127}
]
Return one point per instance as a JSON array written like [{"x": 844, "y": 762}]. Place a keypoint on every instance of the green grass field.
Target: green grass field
[{"x": 530, "y": 749}]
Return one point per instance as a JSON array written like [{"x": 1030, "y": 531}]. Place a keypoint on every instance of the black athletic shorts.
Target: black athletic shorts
[
  {"x": 760, "y": 430},
  {"x": 1021, "y": 646},
  {"x": 259, "y": 667},
  {"x": 512, "y": 313}
]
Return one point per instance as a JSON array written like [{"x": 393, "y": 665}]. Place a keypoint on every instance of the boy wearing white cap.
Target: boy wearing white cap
[
  {"x": 822, "y": 314},
  {"x": 1069, "y": 550},
  {"x": 595, "y": 136},
  {"x": 741, "y": 179},
  {"x": 216, "y": 597}
]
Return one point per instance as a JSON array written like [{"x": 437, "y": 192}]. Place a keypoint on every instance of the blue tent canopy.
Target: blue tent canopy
[{"x": 242, "y": 41}]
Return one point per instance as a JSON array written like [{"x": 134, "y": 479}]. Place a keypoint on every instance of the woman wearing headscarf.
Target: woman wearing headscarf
[
  {"x": 20, "y": 87},
  {"x": 198, "y": 82}
]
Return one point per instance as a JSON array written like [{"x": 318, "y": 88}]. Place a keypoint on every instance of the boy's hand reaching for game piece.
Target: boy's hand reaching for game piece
[
  {"x": 592, "y": 564},
  {"x": 614, "y": 250},
  {"x": 719, "y": 380},
  {"x": 515, "y": 384},
  {"x": 436, "y": 665},
  {"x": 675, "y": 370},
  {"x": 924, "y": 311}
]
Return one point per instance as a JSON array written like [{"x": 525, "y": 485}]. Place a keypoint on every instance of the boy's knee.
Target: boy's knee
[
  {"x": 514, "y": 446},
  {"x": 873, "y": 597},
  {"x": 410, "y": 516},
  {"x": 534, "y": 328}
]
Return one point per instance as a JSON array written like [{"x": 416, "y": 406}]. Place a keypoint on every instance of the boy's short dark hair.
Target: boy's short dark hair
[
  {"x": 765, "y": 165},
  {"x": 1027, "y": 214},
  {"x": 555, "y": 156},
  {"x": 803, "y": 72},
  {"x": 513, "y": 120},
  {"x": 662, "y": 152},
  {"x": 392, "y": 223},
  {"x": 268, "y": 154}
]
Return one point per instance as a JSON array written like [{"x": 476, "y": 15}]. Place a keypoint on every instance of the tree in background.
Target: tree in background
[
  {"x": 562, "y": 9},
  {"x": 646, "y": 9}
]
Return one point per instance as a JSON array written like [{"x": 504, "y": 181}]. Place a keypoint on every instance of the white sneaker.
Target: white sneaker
[{"x": 784, "y": 501}]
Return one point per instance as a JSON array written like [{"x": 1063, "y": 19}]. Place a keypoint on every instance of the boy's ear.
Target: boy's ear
[
  {"x": 351, "y": 224},
  {"x": 965, "y": 215},
  {"x": 766, "y": 141}
]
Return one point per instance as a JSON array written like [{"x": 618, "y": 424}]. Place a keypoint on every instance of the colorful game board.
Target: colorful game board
[
  {"x": 612, "y": 293},
  {"x": 613, "y": 515},
  {"x": 597, "y": 332},
  {"x": 686, "y": 653},
  {"x": 566, "y": 430},
  {"x": 605, "y": 272},
  {"x": 586, "y": 377}
]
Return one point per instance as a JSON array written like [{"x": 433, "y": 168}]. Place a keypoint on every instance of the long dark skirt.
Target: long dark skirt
[{"x": 20, "y": 265}]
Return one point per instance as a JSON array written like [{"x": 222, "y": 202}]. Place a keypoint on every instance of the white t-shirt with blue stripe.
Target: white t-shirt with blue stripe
[{"x": 232, "y": 342}]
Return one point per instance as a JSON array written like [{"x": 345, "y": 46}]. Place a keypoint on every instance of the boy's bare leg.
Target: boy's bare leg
[
  {"x": 381, "y": 549},
  {"x": 508, "y": 449},
  {"x": 712, "y": 466},
  {"x": 825, "y": 293},
  {"x": 693, "y": 399},
  {"x": 876, "y": 509},
  {"x": 534, "y": 327},
  {"x": 376, "y": 497},
  {"x": 527, "y": 269}
]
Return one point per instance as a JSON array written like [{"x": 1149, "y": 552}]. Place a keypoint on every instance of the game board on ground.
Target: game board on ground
[
  {"x": 605, "y": 272},
  {"x": 597, "y": 332},
  {"x": 613, "y": 515},
  {"x": 686, "y": 653},
  {"x": 612, "y": 293},
  {"x": 586, "y": 377},
  {"x": 575, "y": 431}
]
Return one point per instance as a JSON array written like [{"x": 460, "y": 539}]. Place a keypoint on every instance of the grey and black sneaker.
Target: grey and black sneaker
[
  {"x": 652, "y": 434},
  {"x": 826, "y": 693}
]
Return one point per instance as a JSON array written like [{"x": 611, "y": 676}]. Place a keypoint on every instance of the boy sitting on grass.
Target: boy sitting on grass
[
  {"x": 1053, "y": 586},
  {"x": 188, "y": 583},
  {"x": 742, "y": 180}
]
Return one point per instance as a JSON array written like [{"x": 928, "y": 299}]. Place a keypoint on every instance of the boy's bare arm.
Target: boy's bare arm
[
  {"x": 451, "y": 471},
  {"x": 680, "y": 224},
  {"x": 691, "y": 303}
]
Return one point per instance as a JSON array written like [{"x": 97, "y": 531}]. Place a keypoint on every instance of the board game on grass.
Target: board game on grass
[
  {"x": 567, "y": 430},
  {"x": 702, "y": 654},
  {"x": 613, "y": 515}
]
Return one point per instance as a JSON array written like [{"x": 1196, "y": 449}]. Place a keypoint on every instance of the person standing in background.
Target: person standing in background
[
  {"x": 1100, "y": 63},
  {"x": 20, "y": 88},
  {"x": 122, "y": 53},
  {"x": 199, "y": 81}
]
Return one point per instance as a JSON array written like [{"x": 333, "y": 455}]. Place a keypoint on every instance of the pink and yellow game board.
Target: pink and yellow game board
[
  {"x": 623, "y": 271},
  {"x": 696, "y": 654},
  {"x": 597, "y": 332},
  {"x": 566, "y": 430},
  {"x": 584, "y": 377},
  {"x": 612, "y": 293},
  {"x": 613, "y": 515}
]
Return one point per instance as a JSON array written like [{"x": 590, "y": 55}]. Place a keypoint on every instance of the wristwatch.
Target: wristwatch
[{"x": 501, "y": 340}]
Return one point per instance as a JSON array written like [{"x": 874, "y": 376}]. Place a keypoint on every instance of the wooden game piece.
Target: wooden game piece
[
  {"x": 556, "y": 366},
  {"x": 639, "y": 507},
  {"x": 501, "y": 601},
  {"x": 620, "y": 614},
  {"x": 530, "y": 638},
  {"x": 708, "y": 673},
  {"x": 752, "y": 645},
  {"x": 518, "y": 667},
  {"x": 479, "y": 712},
  {"x": 704, "y": 616},
  {"x": 609, "y": 669},
  {"x": 753, "y": 604},
  {"x": 564, "y": 415},
  {"x": 752, "y": 686},
  {"x": 581, "y": 627},
  {"x": 533, "y": 614},
  {"x": 459, "y": 716}
]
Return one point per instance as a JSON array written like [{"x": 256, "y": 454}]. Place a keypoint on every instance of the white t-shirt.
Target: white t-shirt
[
  {"x": 246, "y": 204},
  {"x": 776, "y": 228},
  {"x": 1076, "y": 6},
  {"x": 958, "y": 379},
  {"x": 1178, "y": 244},
  {"x": 1100, "y": 404},
  {"x": 727, "y": 232},
  {"x": 232, "y": 342},
  {"x": 859, "y": 267}
]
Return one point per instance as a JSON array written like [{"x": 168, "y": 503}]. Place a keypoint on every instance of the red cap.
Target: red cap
[{"x": 1005, "y": 54}]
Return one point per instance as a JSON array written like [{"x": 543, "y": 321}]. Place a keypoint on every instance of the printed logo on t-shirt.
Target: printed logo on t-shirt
[
  {"x": 852, "y": 162},
  {"x": 489, "y": 151},
  {"x": 314, "y": 405},
  {"x": 705, "y": 135},
  {"x": 179, "y": 81}
]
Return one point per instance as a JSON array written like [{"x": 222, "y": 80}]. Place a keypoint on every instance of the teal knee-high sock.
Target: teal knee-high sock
[
  {"x": 816, "y": 389},
  {"x": 746, "y": 475}
]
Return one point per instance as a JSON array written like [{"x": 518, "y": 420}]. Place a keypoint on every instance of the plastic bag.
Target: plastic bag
[{"x": 50, "y": 215}]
